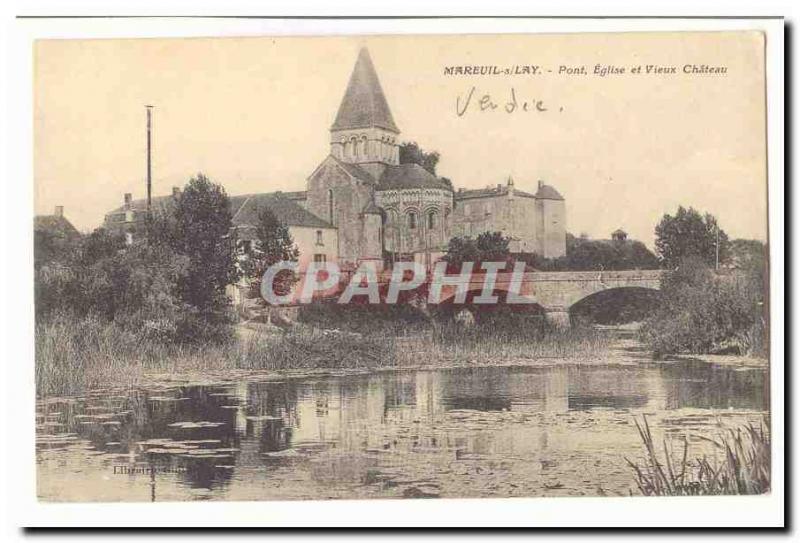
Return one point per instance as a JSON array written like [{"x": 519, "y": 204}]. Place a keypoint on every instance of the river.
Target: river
[{"x": 560, "y": 430}]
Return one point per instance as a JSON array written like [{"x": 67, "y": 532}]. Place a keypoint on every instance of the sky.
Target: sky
[{"x": 254, "y": 115}]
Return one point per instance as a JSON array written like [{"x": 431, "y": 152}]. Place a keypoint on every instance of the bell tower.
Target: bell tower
[{"x": 364, "y": 131}]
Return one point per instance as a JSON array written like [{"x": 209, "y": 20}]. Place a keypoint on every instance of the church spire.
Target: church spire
[
  {"x": 364, "y": 104},
  {"x": 364, "y": 132}
]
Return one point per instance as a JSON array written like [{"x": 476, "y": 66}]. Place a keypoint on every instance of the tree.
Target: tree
[
  {"x": 584, "y": 254},
  {"x": 202, "y": 225},
  {"x": 100, "y": 244},
  {"x": 689, "y": 234},
  {"x": 274, "y": 244},
  {"x": 487, "y": 247},
  {"x": 411, "y": 153},
  {"x": 702, "y": 311}
]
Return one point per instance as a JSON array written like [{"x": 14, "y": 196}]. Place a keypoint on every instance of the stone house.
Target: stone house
[
  {"x": 316, "y": 239},
  {"x": 56, "y": 225}
]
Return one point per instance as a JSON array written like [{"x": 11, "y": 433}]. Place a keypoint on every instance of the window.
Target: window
[
  {"x": 330, "y": 206},
  {"x": 412, "y": 221},
  {"x": 320, "y": 258},
  {"x": 319, "y": 237},
  {"x": 431, "y": 220},
  {"x": 129, "y": 238},
  {"x": 354, "y": 144}
]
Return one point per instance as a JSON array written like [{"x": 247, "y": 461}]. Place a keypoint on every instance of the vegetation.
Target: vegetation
[
  {"x": 273, "y": 244},
  {"x": 583, "y": 254},
  {"x": 167, "y": 286},
  {"x": 743, "y": 469},
  {"x": 202, "y": 226},
  {"x": 690, "y": 234},
  {"x": 705, "y": 312},
  {"x": 486, "y": 247},
  {"x": 74, "y": 355}
]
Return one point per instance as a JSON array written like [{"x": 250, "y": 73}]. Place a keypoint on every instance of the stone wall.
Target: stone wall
[
  {"x": 349, "y": 198},
  {"x": 397, "y": 205}
]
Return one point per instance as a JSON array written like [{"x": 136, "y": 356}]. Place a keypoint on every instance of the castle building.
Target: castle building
[
  {"x": 378, "y": 209},
  {"x": 534, "y": 222}
]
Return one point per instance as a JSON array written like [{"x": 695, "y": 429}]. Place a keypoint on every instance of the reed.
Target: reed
[
  {"x": 77, "y": 354},
  {"x": 741, "y": 465}
]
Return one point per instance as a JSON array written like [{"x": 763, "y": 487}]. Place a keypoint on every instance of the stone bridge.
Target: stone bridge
[{"x": 556, "y": 292}]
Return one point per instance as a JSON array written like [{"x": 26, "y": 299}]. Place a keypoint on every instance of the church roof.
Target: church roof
[
  {"x": 546, "y": 192},
  {"x": 409, "y": 176},
  {"x": 246, "y": 209},
  {"x": 364, "y": 104},
  {"x": 371, "y": 208},
  {"x": 354, "y": 170}
]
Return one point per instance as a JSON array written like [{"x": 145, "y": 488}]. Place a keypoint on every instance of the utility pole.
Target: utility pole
[{"x": 149, "y": 164}]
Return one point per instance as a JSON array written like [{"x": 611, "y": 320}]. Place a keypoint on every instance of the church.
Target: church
[
  {"x": 375, "y": 208},
  {"x": 386, "y": 211}
]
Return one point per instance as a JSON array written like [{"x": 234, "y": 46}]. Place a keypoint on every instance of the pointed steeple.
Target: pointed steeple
[{"x": 364, "y": 104}]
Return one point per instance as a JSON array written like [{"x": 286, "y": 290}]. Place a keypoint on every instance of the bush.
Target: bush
[{"x": 703, "y": 312}]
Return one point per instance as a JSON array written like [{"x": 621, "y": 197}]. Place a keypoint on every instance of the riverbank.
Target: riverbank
[{"x": 75, "y": 356}]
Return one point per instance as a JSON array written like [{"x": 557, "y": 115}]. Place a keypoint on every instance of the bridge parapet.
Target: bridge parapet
[{"x": 600, "y": 275}]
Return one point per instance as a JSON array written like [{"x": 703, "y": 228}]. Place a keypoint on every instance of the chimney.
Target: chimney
[
  {"x": 176, "y": 191},
  {"x": 59, "y": 211},
  {"x": 541, "y": 183},
  {"x": 128, "y": 200}
]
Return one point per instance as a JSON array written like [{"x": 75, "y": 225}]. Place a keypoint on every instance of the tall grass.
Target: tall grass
[
  {"x": 77, "y": 354},
  {"x": 741, "y": 467}
]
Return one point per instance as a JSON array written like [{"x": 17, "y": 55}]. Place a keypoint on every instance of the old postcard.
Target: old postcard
[{"x": 401, "y": 266}]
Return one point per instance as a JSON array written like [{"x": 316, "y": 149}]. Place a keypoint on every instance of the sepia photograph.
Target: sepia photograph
[{"x": 399, "y": 266}]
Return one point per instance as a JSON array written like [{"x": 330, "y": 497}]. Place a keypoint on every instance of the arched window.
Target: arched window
[
  {"x": 431, "y": 220},
  {"x": 364, "y": 146},
  {"x": 354, "y": 144},
  {"x": 319, "y": 237},
  {"x": 412, "y": 220},
  {"x": 330, "y": 206},
  {"x": 346, "y": 149}
]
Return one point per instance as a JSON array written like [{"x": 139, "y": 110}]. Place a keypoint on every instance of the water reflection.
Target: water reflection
[{"x": 461, "y": 432}]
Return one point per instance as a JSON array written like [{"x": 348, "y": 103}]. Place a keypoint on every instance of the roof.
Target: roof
[
  {"x": 246, "y": 209},
  {"x": 371, "y": 208},
  {"x": 490, "y": 192},
  {"x": 55, "y": 224},
  {"x": 364, "y": 105},
  {"x": 409, "y": 176},
  {"x": 354, "y": 170},
  {"x": 158, "y": 202},
  {"x": 546, "y": 192},
  {"x": 296, "y": 195}
]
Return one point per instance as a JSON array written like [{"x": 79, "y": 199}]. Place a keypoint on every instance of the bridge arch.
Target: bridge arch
[{"x": 615, "y": 305}]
